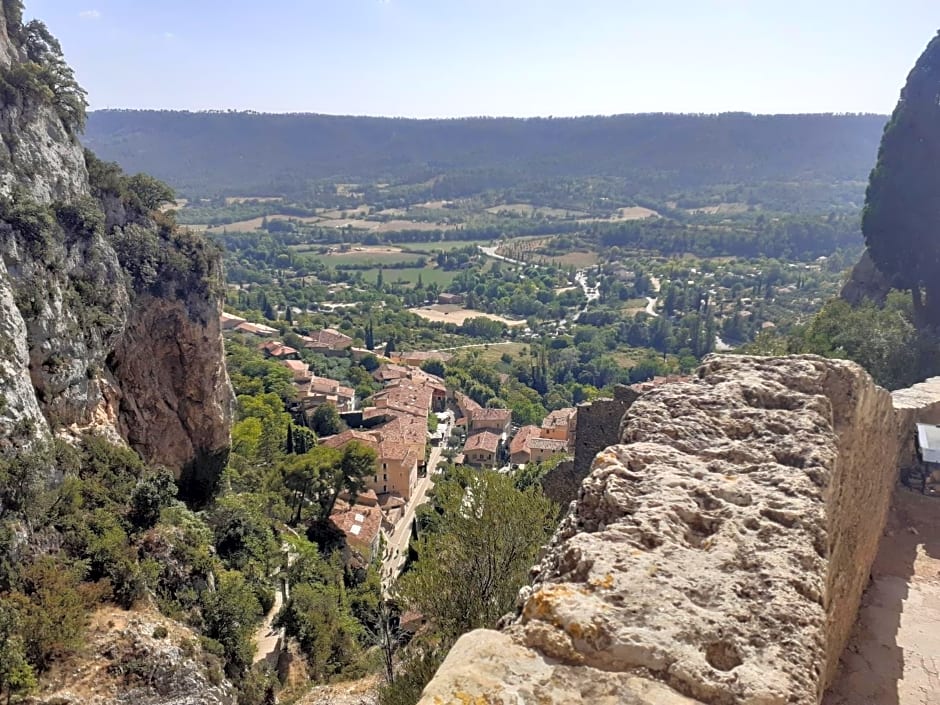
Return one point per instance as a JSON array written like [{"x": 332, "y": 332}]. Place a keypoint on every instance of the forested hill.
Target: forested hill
[{"x": 657, "y": 154}]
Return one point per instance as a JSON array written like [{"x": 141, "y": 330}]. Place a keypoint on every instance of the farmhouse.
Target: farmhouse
[
  {"x": 328, "y": 341},
  {"x": 481, "y": 448},
  {"x": 361, "y": 524},
  {"x": 519, "y": 452},
  {"x": 560, "y": 425},
  {"x": 300, "y": 371},
  {"x": 258, "y": 329},
  {"x": 495, "y": 420},
  {"x": 279, "y": 351}
]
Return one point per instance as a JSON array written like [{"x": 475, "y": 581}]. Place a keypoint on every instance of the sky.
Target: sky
[{"x": 454, "y": 58}]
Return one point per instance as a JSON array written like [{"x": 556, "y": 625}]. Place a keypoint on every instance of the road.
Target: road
[
  {"x": 592, "y": 293},
  {"x": 396, "y": 548},
  {"x": 651, "y": 300}
]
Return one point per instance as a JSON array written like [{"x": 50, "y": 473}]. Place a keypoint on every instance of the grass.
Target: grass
[
  {"x": 443, "y": 246},
  {"x": 491, "y": 354},
  {"x": 428, "y": 275}
]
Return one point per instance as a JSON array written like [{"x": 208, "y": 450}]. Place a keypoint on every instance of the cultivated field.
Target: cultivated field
[
  {"x": 410, "y": 275},
  {"x": 455, "y": 314}
]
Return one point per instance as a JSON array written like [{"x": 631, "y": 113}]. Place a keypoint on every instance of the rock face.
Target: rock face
[
  {"x": 717, "y": 555},
  {"x": 108, "y": 315},
  {"x": 865, "y": 282}
]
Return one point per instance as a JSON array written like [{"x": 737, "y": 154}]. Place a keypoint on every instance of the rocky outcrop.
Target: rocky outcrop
[
  {"x": 108, "y": 314},
  {"x": 174, "y": 403},
  {"x": 865, "y": 283},
  {"x": 717, "y": 555},
  {"x": 138, "y": 658}
]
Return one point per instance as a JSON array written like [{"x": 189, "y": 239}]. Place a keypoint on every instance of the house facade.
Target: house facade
[{"x": 481, "y": 449}]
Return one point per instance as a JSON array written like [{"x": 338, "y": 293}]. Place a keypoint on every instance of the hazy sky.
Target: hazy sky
[{"x": 445, "y": 58}]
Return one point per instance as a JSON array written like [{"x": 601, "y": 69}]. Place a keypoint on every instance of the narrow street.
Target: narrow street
[{"x": 396, "y": 549}]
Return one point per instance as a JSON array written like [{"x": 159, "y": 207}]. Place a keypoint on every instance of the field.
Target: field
[
  {"x": 575, "y": 259},
  {"x": 376, "y": 256},
  {"x": 442, "y": 245},
  {"x": 438, "y": 276},
  {"x": 721, "y": 209},
  {"x": 528, "y": 209},
  {"x": 634, "y": 213},
  {"x": 492, "y": 353},
  {"x": 456, "y": 314}
]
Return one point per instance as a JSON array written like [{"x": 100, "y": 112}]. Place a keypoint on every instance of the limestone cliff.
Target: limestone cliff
[
  {"x": 108, "y": 314},
  {"x": 717, "y": 555}
]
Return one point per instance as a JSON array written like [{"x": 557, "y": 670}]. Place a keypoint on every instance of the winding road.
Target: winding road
[{"x": 592, "y": 293}]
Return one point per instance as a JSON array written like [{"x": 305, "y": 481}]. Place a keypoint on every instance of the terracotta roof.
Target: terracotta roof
[
  {"x": 296, "y": 365},
  {"x": 276, "y": 349},
  {"x": 341, "y": 439},
  {"x": 547, "y": 444},
  {"x": 325, "y": 385},
  {"x": 482, "y": 441},
  {"x": 490, "y": 414},
  {"x": 520, "y": 441},
  {"x": 230, "y": 318},
  {"x": 328, "y": 337},
  {"x": 466, "y": 402},
  {"x": 559, "y": 417},
  {"x": 359, "y": 522},
  {"x": 255, "y": 328}
]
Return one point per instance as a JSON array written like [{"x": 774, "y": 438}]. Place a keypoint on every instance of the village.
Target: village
[{"x": 378, "y": 523}]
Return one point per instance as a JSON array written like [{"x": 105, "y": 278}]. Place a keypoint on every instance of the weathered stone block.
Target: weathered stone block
[{"x": 718, "y": 553}]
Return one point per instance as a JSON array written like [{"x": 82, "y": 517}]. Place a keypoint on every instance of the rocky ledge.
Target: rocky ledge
[{"x": 717, "y": 555}]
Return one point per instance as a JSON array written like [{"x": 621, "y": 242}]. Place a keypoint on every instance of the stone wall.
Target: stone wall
[
  {"x": 717, "y": 555},
  {"x": 917, "y": 404}
]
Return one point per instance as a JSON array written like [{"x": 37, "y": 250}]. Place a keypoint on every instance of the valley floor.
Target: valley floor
[{"x": 893, "y": 657}]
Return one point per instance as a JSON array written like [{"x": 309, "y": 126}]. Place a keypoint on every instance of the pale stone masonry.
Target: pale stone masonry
[{"x": 717, "y": 555}]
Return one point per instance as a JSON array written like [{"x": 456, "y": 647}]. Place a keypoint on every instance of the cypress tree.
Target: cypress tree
[{"x": 902, "y": 204}]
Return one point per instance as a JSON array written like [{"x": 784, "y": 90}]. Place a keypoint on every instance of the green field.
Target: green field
[
  {"x": 442, "y": 246},
  {"x": 428, "y": 275}
]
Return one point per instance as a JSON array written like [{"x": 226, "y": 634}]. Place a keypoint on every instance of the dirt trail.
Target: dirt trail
[{"x": 893, "y": 657}]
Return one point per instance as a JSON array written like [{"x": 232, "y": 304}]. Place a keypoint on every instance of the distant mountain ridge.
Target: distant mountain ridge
[{"x": 253, "y": 153}]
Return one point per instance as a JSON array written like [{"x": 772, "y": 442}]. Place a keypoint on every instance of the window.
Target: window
[
  {"x": 375, "y": 479},
  {"x": 385, "y": 466},
  {"x": 385, "y": 476}
]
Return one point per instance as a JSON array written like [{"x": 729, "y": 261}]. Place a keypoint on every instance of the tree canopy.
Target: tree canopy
[{"x": 902, "y": 205}]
